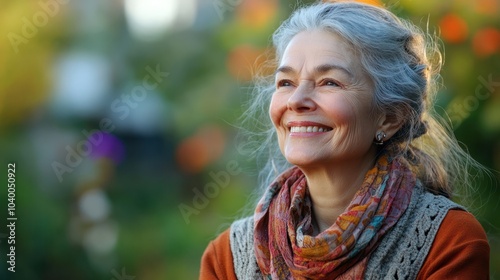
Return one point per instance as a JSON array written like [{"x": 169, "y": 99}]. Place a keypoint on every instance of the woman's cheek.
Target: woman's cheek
[
  {"x": 276, "y": 109},
  {"x": 338, "y": 111}
]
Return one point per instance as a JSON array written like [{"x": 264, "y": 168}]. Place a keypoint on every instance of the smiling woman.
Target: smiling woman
[
  {"x": 335, "y": 98},
  {"x": 365, "y": 191}
]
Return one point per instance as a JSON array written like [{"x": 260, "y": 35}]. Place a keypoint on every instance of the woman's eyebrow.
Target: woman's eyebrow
[
  {"x": 284, "y": 69},
  {"x": 327, "y": 67},
  {"x": 323, "y": 68}
]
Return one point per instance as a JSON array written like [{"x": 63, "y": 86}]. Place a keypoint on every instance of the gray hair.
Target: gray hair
[{"x": 403, "y": 63}]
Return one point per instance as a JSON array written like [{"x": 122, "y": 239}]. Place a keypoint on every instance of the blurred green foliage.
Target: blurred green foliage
[{"x": 142, "y": 230}]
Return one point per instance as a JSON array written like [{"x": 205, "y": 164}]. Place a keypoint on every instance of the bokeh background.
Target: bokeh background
[{"x": 121, "y": 118}]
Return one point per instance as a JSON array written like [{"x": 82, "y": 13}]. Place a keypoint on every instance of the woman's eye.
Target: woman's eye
[
  {"x": 330, "y": 83},
  {"x": 284, "y": 83}
]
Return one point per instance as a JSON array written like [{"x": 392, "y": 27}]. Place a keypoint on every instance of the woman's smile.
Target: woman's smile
[{"x": 307, "y": 128}]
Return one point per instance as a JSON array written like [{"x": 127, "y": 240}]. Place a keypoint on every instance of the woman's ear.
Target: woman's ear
[{"x": 389, "y": 124}]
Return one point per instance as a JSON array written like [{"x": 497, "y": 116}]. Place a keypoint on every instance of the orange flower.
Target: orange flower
[
  {"x": 201, "y": 149},
  {"x": 487, "y": 7},
  {"x": 244, "y": 61},
  {"x": 453, "y": 28},
  {"x": 257, "y": 13},
  {"x": 486, "y": 42}
]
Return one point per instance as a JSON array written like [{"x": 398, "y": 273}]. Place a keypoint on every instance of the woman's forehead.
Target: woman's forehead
[{"x": 319, "y": 50}]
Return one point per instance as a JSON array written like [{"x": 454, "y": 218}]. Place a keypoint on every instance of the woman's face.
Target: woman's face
[{"x": 322, "y": 108}]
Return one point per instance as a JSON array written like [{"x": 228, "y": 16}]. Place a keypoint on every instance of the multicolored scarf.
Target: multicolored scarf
[{"x": 283, "y": 241}]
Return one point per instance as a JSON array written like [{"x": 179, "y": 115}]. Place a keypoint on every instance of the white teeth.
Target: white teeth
[{"x": 308, "y": 129}]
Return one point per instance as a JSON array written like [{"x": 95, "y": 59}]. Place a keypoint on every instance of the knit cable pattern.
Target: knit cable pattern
[
  {"x": 241, "y": 239},
  {"x": 402, "y": 252}
]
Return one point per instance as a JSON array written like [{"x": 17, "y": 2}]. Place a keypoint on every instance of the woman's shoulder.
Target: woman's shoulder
[
  {"x": 459, "y": 224},
  {"x": 460, "y": 248},
  {"x": 228, "y": 251},
  {"x": 217, "y": 260},
  {"x": 413, "y": 235}
]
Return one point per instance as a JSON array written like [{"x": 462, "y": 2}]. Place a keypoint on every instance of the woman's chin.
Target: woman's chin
[{"x": 303, "y": 161}]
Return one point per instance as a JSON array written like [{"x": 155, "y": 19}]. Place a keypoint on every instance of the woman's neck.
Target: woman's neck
[{"x": 332, "y": 188}]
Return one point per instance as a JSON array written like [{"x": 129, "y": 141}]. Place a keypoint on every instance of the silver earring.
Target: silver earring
[{"x": 379, "y": 138}]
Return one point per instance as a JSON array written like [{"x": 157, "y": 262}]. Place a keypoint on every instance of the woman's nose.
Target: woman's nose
[{"x": 301, "y": 99}]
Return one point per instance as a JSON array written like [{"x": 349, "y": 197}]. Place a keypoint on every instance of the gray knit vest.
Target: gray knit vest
[{"x": 399, "y": 255}]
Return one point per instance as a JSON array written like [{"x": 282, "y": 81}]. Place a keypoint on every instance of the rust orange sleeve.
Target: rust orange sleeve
[
  {"x": 217, "y": 260},
  {"x": 460, "y": 250}
]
